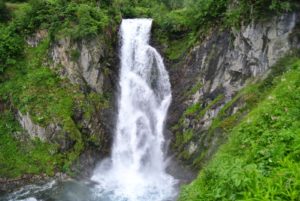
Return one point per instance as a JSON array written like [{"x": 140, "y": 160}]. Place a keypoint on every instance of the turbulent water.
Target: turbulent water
[{"x": 136, "y": 170}]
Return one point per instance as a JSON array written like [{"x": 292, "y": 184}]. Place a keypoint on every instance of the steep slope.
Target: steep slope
[
  {"x": 212, "y": 74},
  {"x": 260, "y": 161},
  {"x": 56, "y": 92}
]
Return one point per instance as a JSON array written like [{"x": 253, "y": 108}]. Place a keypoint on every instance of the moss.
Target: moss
[
  {"x": 192, "y": 110},
  {"x": 194, "y": 89}
]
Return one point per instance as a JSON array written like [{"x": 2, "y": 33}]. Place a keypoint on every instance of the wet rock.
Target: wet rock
[{"x": 9, "y": 185}]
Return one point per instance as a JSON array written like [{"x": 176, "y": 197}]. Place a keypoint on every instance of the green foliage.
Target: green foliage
[
  {"x": 244, "y": 11},
  {"x": 63, "y": 18},
  {"x": 10, "y": 47},
  {"x": 33, "y": 88},
  {"x": 19, "y": 156},
  {"x": 90, "y": 20},
  {"x": 260, "y": 161},
  {"x": 176, "y": 22},
  {"x": 189, "y": 21},
  {"x": 30, "y": 86}
]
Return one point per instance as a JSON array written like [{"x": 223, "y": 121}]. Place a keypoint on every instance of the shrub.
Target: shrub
[{"x": 10, "y": 47}]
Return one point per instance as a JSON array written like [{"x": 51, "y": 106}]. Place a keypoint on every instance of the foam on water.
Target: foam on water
[{"x": 136, "y": 170}]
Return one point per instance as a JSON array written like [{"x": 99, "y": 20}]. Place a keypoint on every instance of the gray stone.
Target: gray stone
[
  {"x": 80, "y": 61},
  {"x": 35, "y": 130},
  {"x": 36, "y": 38},
  {"x": 224, "y": 63}
]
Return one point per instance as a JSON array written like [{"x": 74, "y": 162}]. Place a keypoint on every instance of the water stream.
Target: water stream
[{"x": 136, "y": 170}]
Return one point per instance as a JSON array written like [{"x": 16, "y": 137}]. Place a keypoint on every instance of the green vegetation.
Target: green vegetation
[
  {"x": 19, "y": 156},
  {"x": 246, "y": 100},
  {"x": 250, "y": 96},
  {"x": 10, "y": 48},
  {"x": 33, "y": 88},
  {"x": 28, "y": 85},
  {"x": 260, "y": 161},
  {"x": 180, "y": 24},
  {"x": 194, "y": 112},
  {"x": 60, "y": 18}
]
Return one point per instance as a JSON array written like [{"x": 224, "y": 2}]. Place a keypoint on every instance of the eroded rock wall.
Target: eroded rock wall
[
  {"x": 215, "y": 70},
  {"x": 85, "y": 62}
]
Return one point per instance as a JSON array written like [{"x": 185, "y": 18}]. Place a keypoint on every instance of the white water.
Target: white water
[{"x": 136, "y": 170}]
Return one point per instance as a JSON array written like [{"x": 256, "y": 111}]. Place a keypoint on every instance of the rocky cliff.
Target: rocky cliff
[
  {"x": 214, "y": 71},
  {"x": 85, "y": 62},
  {"x": 90, "y": 64}
]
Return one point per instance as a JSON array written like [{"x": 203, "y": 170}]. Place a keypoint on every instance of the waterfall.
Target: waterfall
[{"x": 136, "y": 170}]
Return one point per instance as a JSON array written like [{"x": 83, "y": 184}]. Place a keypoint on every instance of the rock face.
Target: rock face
[
  {"x": 36, "y": 38},
  {"x": 215, "y": 70},
  {"x": 34, "y": 130},
  {"x": 92, "y": 64},
  {"x": 84, "y": 62}
]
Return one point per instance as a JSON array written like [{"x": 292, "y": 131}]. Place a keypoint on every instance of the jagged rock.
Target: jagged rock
[
  {"x": 9, "y": 185},
  {"x": 223, "y": 64},
  {"x": 36, "y": 38},
  {"x": 82, "y": 61},
  {"x": 34, "y": 130}
]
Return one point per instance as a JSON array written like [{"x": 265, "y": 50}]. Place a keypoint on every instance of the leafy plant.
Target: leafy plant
[{"x": 10, "y": 47}]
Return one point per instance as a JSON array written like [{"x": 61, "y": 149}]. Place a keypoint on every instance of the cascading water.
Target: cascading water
[{"x": 136, "y": 170}]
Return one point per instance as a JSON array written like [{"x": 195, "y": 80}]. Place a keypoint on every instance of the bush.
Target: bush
[
  {"x": 90, "y": 20},
  {"x": 176, "y": 21},
  {"x": 10, "y": 47}
]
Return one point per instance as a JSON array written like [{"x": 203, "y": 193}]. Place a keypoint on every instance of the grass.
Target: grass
[
  {"x": 260, "y": 161},
  {"x": 19, "y": 156}
]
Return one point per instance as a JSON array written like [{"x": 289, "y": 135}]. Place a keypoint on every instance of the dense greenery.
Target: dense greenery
[
  {"x": 19, "y": 155},
  {"x": 33, "y": 88},
  {"x": 28, "y": 84},
  {"x": 10, "y": 47},
  {"x": 260, "y": 161}
]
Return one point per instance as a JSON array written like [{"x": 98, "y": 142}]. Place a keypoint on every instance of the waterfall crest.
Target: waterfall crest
[{"x": 136, "y": 170}]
